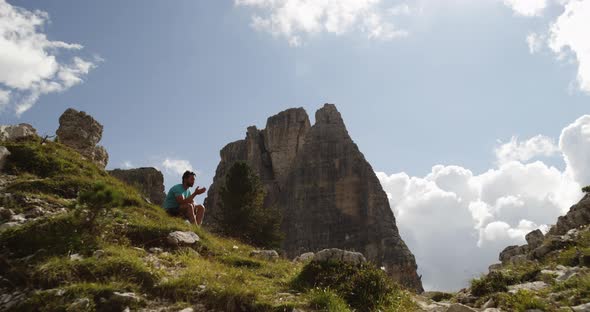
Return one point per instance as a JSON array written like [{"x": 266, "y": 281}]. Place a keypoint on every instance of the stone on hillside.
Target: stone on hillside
[
  {"x": 5, "y": 213},
  {"x": 537, "y": 285},
  {"x": 126, "y": 297},
  {"x": 4, "y": 153},
  {"x": 535, "y": 238},
  {"x": 489, "y": 304},
  {"x": 81, "y": 132},
  {"x": 268, "y": 255},
  {"x": 16, "y": 132},
  {"x": 149, "y": 181},
  {"x": 308, "y": 256},
  {"x": 457, "y": 307},
  {"x": 581, "y": 308},
  {"x": 578, "y": 215},
  {"x": 335, "y": 254},
  {"x": 179, "y": 238},
  {"x": 551, "y": 243},
  {"x": 329, "y": 195},
  {"x": 76, "y": 257},
  {"x": 98, "y": 253},
  {"x": 187, "y": 310},
  {"x": 35, "y": 212},
  {"x": 512, "y": 251},
  {"x": 8, "y": 225},
  {"x": 81, "y": 304}
]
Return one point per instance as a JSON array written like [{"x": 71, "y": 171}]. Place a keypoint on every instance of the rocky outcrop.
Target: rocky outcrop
[
  {"x": 328, "y": 193},
  {"x": 578, "y": 215},
  {"x": 149, "y": 181},
  {"x": 81, "y": 132},
  {"x": 16, "y": 132}
]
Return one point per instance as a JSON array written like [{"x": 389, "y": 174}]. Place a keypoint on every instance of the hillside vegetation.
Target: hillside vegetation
[{"x": 85, "y": 241}]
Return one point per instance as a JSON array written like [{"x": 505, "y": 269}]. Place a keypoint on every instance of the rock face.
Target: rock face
[
  {"x": 149, "y": 181},
  {"x": 81, "y": 132},
  {"x": 578, "y": 215},
  {"x": 328, "y": 193}
]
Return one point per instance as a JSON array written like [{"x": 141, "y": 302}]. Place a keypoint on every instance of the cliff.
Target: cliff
[{"x": 328, "y": 193}]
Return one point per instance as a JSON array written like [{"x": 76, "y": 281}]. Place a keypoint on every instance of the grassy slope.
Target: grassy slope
[{"x": 217, "y": 272}]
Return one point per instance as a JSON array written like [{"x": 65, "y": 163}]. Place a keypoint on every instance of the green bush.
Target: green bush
[
  {"x": 498, "y": 281},
  {"x": 243, "y": 214},
  {"x": 521, "y": 301},
  {"x": 363, "y": 287}
]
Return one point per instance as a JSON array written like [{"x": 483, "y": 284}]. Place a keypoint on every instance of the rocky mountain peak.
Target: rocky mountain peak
[{"x": 328, "y": 114}]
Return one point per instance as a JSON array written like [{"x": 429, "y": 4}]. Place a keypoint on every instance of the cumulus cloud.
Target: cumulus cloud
[
  {"x": 456, "y": 222},
  {"x": 294, "y": 19},
  {"x": 29, "y": 62},
  {"x": 176, "y": 166},
  {"x": 127, "y": 165},
  {"x": 570, "y": 33},
  {"x": 523, "y": 151},
  {"x": 535, "y": 42},
  {"x": 527, "y": 7}
]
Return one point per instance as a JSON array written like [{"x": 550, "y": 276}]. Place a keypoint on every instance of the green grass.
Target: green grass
[
  {"x": 326, "y": 300},
  {"x": 521, "y": 301},
  {"x": 498, "y": 281}
]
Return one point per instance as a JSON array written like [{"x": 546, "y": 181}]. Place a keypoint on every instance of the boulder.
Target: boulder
[
  {"x": 581, "y": 308},
  {"x": 82, "y": 132},
  {"x": 179, "y": 238},
  {"x": 335, "y": 254},
  {"x": 305, "y": 257},
  {"x": 534, "y": 239},
  {"x": 457, "y": 307},
  {"x": 537, "y": 285},
  {"x": 16, "y": 132},
  {"x": 268, "y": 255},
  {"x": 149, "y": 181},
  {"x": 578, "y": 215},
  {"x": 512, "y": 251}
]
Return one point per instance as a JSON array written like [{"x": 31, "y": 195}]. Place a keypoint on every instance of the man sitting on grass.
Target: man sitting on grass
[{"x": 179, "y": 201}]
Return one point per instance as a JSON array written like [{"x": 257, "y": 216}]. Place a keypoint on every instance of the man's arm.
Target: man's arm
[{"x": 191, "y": 197}]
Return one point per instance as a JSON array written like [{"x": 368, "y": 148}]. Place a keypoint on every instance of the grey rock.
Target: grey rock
[
  {"x": 156, "y": 250},
  {"x": 305, "y": 257},
  {"x": 489, "y": 304},
  {"x": 76, "y": 257},
  {"x": 18, "y": 218},
  {"x": 35, "y": 212},
  {"x": 9, "y": 225},
  {"x": 16, "y": 132},
  {"x": 335, "y": 254},
  {"x": 126, "y": 297},
  {"x": 578, "y": 215},
  {"x": 534, "y": 238},
  {"x": 98, "y": 253},
  {"x": 512, "y": 251},
  {"x": 81, "y": 132},
  {"x": 581, "y": 308},
  {"x": 537, "y": 285},
  {"x": 328, "y": 193},
  {"x": 80, "y": 304},
  {"x": 187, "y": 310},
  {"x": 149, "y": 181},
  {"x": 6, "y": 214},
  {"x": 457, "y": 307},
  {"x": 269, "y": 255},
  {"x": 179, "y": 238},
  {"x": 4, "y": 153}
]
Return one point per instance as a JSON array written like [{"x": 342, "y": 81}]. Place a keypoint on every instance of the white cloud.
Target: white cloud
[
  {"x": 535, "y": 42},
  {"x": 127, "y": 165},
  {"x": 29, "y": 63},
  {"x": 527, "y": 7},
  {"x": 574, "y": 142},
  {"x": 176, "y": 166},
  {"x": 294, "y": 19},
  {"x": 456, "y": 222},
  {"x": 523, "y": 151},
  {"x": 570, "y": 33},
  {"x": 4, "y": 98}
]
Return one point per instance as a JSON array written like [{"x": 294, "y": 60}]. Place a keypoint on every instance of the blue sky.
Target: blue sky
[{"x": 419, "y": 83}]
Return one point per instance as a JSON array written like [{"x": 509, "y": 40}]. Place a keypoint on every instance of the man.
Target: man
[{"x": 179, "y": 201}]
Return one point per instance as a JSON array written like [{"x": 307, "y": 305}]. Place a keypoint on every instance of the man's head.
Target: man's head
[{"x": 188, "y": 178}]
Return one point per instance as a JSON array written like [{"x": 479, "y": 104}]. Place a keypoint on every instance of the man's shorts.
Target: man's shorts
[{"x": 175, "y": 212}]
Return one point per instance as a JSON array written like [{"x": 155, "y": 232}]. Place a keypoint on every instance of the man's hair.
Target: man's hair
[{"x": 187, "y": 174}]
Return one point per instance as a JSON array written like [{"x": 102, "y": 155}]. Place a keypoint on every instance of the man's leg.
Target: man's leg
[
  {"x": 188, "y": 211},
  {"x": 200, "y": 213}
]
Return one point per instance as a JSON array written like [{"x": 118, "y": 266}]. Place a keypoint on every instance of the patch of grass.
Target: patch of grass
[
  {"x": 118, "y": 264},
  {"x": 56, "y": 235},
  {"x": 521, "y": 301},
  {"x": 100, "y": 296},
  {"x": 326, "y": 300},
  {"x": 498, "y": 281},
  {"x": 439, "y": 296},
  {"x": 578, "y": 288},
  {"x": 237, "y": 261}
]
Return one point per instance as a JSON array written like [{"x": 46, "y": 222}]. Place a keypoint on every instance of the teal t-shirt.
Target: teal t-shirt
[{"x": 175, "y": 191}]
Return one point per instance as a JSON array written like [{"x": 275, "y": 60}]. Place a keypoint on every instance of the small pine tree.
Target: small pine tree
[{"x": 243, "y": 214}]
